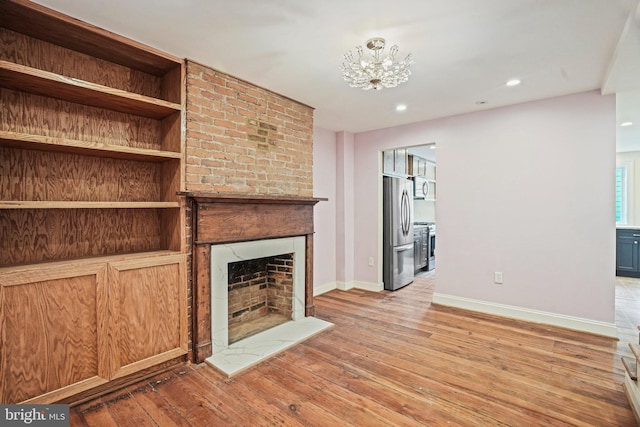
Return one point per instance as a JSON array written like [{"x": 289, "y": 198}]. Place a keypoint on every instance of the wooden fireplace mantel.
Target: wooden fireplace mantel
[
  {"x": 230, "y": 218},
  {"x": 246, "y": 198}
]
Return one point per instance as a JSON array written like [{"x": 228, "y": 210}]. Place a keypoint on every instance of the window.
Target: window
[
  {"x": 624, "y": 192},
  {"x": 621, "y": 199}
]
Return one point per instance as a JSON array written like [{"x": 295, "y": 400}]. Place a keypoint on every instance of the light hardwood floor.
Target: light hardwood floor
[
  {"x": 395, "y": 359},
  {"x": 628, "y": 308}
]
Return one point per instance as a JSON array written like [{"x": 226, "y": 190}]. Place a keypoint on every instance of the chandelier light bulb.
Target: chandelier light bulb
[{"x": 375, "y": 70}]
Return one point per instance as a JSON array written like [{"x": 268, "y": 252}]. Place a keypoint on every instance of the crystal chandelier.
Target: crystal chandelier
[{"x": 375, "y": 71}]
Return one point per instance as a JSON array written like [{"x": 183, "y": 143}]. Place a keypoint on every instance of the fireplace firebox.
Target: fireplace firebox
[{"x": 260, "y": 295}]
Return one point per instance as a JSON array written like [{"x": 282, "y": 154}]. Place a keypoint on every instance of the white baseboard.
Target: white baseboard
[
  {"x": 319, "y": 290},
  {"x": 345, "y": 286},
  {"x": 529, "y": 315},
  {"x": 368, "y": 286}
]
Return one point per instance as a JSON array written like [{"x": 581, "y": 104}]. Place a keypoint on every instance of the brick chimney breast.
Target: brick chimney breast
[{"x": 243, "y": 139}]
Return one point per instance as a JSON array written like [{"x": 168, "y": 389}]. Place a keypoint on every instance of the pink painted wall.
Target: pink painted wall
[
  {"x": 345, "y": 208},
  {"x": 324, "y": 185},
  {"x": 526, "y": 190}
]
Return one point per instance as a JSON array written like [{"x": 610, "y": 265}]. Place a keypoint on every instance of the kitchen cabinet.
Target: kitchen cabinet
[
  {"x": 420, "y": 246},
  {"x": 417, "y": 166},
  {"x": 399, "y": 162},
  {"x": 627, "y": 253},
  {"x": 93, "y": 277},
  {"x": 395, "y": 162},
  {"x": 423, "y": 172},
  {"x": 421, "y": 167},
  {"x": 430, "y": 171}
]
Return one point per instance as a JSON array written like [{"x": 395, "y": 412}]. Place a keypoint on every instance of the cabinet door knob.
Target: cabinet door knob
[{"x": 635, "y": 242}]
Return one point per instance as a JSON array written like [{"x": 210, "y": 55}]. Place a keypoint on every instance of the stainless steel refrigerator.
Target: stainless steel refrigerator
[{"x": 397, "y": 235}]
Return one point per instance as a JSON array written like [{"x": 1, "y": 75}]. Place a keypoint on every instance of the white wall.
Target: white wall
[{"x": 527, "y": 190}]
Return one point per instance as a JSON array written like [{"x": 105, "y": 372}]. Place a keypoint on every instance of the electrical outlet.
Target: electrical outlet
[
  {"x": 497, "y": 277},
  {"x": 370, "y": 261}
]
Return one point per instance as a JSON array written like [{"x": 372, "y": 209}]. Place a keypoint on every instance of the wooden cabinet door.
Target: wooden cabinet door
[
  {"x": 52, "y": 332},
  {"x": 147, "y": 312}
]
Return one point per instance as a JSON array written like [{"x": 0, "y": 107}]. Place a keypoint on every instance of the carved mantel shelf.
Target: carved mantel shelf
[
  {"x": 201, "y": 197},
  {"x": 227, "y": 218}
]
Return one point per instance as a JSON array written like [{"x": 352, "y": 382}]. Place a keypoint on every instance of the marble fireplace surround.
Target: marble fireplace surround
[
  {"x": 223, "y": 254},
  {"x": 223, "y": 219}
]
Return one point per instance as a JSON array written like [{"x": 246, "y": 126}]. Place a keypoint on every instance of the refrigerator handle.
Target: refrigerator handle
[
  {"x": 407, "y": 212},
  {"x": 404, "y": 204},
  {"x": 402, "y": 214},
  {"x": 408, "y": 247}
]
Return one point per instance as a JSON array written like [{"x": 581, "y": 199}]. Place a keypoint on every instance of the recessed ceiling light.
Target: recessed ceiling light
[
  {"x": 482, "y": 102},
  {"x": 401, "y": 107},
  {"x": 626, "y": 123},
  {"x": 513, "y": 82}
]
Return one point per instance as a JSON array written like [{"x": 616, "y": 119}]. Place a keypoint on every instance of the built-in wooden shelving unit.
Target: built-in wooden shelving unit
[{"x": 92, "y": 253}]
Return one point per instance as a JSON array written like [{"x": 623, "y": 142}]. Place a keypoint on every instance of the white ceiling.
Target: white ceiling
[{"x": 465, "y": 50}]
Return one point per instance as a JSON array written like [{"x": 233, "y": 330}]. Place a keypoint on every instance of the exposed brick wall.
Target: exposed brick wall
[
  {"x": 245, "y": 139},
  {"x": 280, "y": 284}
]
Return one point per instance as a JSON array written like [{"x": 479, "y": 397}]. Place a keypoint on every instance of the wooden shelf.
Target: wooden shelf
[
  {"x": 15, "y": 204},
  {"x": 27, "y": 79},
  {"x": 39, "y": 142}
]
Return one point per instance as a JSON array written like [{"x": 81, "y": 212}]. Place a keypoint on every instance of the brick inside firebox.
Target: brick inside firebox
[{"x": 260, "y": 294}]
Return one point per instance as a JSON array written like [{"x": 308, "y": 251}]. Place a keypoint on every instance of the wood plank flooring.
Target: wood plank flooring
[{"x": 393, "y": 359}]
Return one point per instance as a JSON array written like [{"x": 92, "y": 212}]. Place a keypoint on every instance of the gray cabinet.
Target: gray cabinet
[
  {"x": 627, "y": 253},
  {"x": 420, "y": 247}
]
